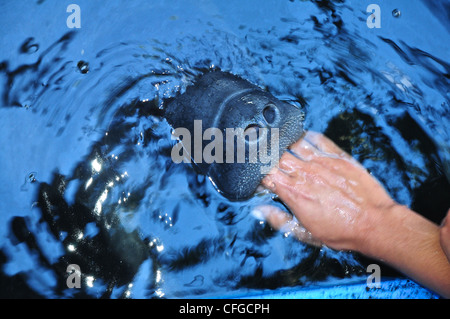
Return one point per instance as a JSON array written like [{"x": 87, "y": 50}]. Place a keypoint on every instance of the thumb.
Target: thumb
[{"x": 282, "y": 221}]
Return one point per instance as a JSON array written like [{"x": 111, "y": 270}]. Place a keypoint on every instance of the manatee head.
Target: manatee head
[{"x": 237, "y": 131}]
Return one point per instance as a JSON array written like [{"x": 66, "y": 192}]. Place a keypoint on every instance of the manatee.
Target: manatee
[{"x": 225, "y": 103}]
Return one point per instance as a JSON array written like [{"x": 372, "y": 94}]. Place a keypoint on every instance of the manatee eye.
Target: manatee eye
[{"x": 270, "y": 113}]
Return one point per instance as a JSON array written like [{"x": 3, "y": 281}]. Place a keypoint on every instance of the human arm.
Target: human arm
[{"x": 342, "y": 206}]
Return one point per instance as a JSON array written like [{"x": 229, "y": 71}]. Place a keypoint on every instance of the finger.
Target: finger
[
  {"x": 292, "y": 165},
  {"x": 276, "y": 177},
  {"x": 315, "y": 144},
  {"x": 304, "y": 150},
  {"x": 321, "y": 153},
  {"x": 314, "y": 172},
  {"x": 286, "y": 187},
  {"x": 315, "y": 147},
  {"x": 323, "y": 143},
  {"x": 284, "y": 222},
  {"x": 328, "y": 147}
]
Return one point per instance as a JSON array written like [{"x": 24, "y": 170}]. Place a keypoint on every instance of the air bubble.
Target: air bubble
[
  {"x": 32, "y": 177},
  {"x": 29, "y": 46},
  {"x": 83, "y": 66},
  {"x": 396, "y": 13}
]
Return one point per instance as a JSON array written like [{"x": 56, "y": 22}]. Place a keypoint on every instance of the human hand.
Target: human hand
[
  {"x": 330, "y": 194},
  {"x": 336, "y": 202}
]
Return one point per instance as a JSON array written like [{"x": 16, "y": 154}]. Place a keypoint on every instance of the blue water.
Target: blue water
[{"x": 85, "y": 153}]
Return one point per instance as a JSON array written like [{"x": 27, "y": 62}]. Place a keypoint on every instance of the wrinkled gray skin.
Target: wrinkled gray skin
[{"x": 222, "y": 100}]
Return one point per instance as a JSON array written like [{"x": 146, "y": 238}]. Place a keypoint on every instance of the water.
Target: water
[{"x": 85, "y": 156}]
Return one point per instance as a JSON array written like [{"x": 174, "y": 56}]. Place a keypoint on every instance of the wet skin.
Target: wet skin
[
  {"x": 445, "y": 235},
  {"x": 335, "y": 201}
]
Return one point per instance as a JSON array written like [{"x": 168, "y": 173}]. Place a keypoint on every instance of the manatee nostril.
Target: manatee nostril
[{"x": 270, "y": 113}]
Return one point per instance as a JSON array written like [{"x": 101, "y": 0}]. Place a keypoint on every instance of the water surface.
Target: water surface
[{"x": 85, "y": 153}]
